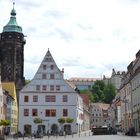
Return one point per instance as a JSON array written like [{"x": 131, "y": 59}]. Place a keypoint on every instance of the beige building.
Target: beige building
[
  {"x": 83, "y": 83},
  {"x": 2, "y": 116},
  {"x": 86, "y": 112},
  {"x": 134, "y": 69},
  {"x": 100, "y": 114},
  {"x": 128, "y": 96},
  {"x": 125, "y": 100}
]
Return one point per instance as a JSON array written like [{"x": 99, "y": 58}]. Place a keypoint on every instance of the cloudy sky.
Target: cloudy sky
[{"x": 86, "y": 37}]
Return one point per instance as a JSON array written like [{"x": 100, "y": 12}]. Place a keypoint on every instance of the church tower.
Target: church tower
[{"x": 12, "y": 53}]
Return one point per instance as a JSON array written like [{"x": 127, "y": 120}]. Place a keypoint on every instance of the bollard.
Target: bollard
[
  {"x": 79, "y": 134},
  {"x": 85, "y": 133},
  {"x": 89, "y": 133},
  {"x": 72, "y": 135}
]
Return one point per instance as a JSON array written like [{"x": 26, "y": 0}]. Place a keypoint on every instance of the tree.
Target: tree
[
  {"x": 5, "y": 123},
  {"x": 109, "y": 92},
  {"x": 27, "y": 82},
  {"x": 97, "y": 91},
  {"x": 102, "y": 93}
]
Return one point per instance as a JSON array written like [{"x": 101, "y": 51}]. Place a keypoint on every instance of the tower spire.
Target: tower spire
[{"x": 12, "y": 25}]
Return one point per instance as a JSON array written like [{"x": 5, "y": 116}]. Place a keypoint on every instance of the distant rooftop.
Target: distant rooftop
[
  {"x": 101, "y": 105},
  {"x": 80, "y": 79}
]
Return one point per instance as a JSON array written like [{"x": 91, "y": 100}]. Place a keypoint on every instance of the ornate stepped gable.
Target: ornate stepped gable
[{"x": 48, "y": 78}]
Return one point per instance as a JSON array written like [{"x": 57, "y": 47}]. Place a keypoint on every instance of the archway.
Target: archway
[
  {"x": 54, "y": 128},
  {"x": 28, "y": 129},
  {"x": 67, "y": 128},
  {"x": 41, "y": 129}
]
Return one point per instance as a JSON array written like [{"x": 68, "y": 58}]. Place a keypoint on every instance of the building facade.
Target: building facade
[
  {"x": 115, "y": 78},
  {"x": 128, "y": 97},
  {"x": 49, "y": 97},
  {"x": 83, "y": 83},
  {"x": 100, "y": 115},
  {"x": 87, "y": 114},
  {"x": 134, "y": 69},
  {"x": 11, "y": 110}
]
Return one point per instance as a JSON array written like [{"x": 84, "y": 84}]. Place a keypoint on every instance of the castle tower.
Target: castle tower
[{"x": 12, "y": 53}]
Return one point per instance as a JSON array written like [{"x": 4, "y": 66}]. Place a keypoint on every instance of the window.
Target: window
[
  {"x": 65, "y": 98},
  {"x": 57, "y": 87},
  {"x": 44, "y": 87},
  {"x": 51, "y": 87},
  {"x": 26, "y": 112},
  {"x": 47, "y": 98},
  {"x": 50, "y": 98},
  {"x": 44, "y": 76},
  {"x": 37, "y": 87},
  {"x": 26, "y": 99},
  {"x": 65, "y": 112},
  {"x": 48, "y": 59},
  {"x": 44, "y": 67},
  {"x": 34, "y": 112},
  {"x": 51, "y": 76},
  {"x": 35, "y": 98},
  {"x": 47, "y": 113},
  {"x": 53, "y": 98},
  {"x": 50, "y": 113},
  {"x": 52, "y": 67}
]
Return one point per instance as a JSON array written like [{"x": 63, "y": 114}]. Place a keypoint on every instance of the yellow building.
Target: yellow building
[{"x": 12, "y": 106}]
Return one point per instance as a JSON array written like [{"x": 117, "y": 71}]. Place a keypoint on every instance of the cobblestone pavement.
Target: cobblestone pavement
[{"x": 84, "y": 136}]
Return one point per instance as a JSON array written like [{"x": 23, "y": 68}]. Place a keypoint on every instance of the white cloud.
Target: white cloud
[{"x": 86, "y": 37}]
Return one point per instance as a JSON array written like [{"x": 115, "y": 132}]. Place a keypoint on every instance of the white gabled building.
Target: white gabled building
[{"x": 49, "y": 97}]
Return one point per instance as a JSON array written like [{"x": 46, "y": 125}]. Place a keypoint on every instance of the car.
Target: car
[{"x": 131, "y": 132}]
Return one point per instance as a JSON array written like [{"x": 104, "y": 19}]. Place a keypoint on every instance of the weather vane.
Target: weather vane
[{"x": 13, "y": 5}]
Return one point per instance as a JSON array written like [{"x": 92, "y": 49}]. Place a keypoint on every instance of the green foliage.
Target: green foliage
[
  {"x": 27, "y": 82},
  {"x": 5, "y": 123},
  {"x": 65, "y": 120},
  {"x": 102, "y": 93},
  {"x": 61, "y": 120},
  {"x": 69, "y": 120},
  {"x": 84, "y": 91},
  {"x": 37, "y": 120},
  {"x": 110, "y": 93}
]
